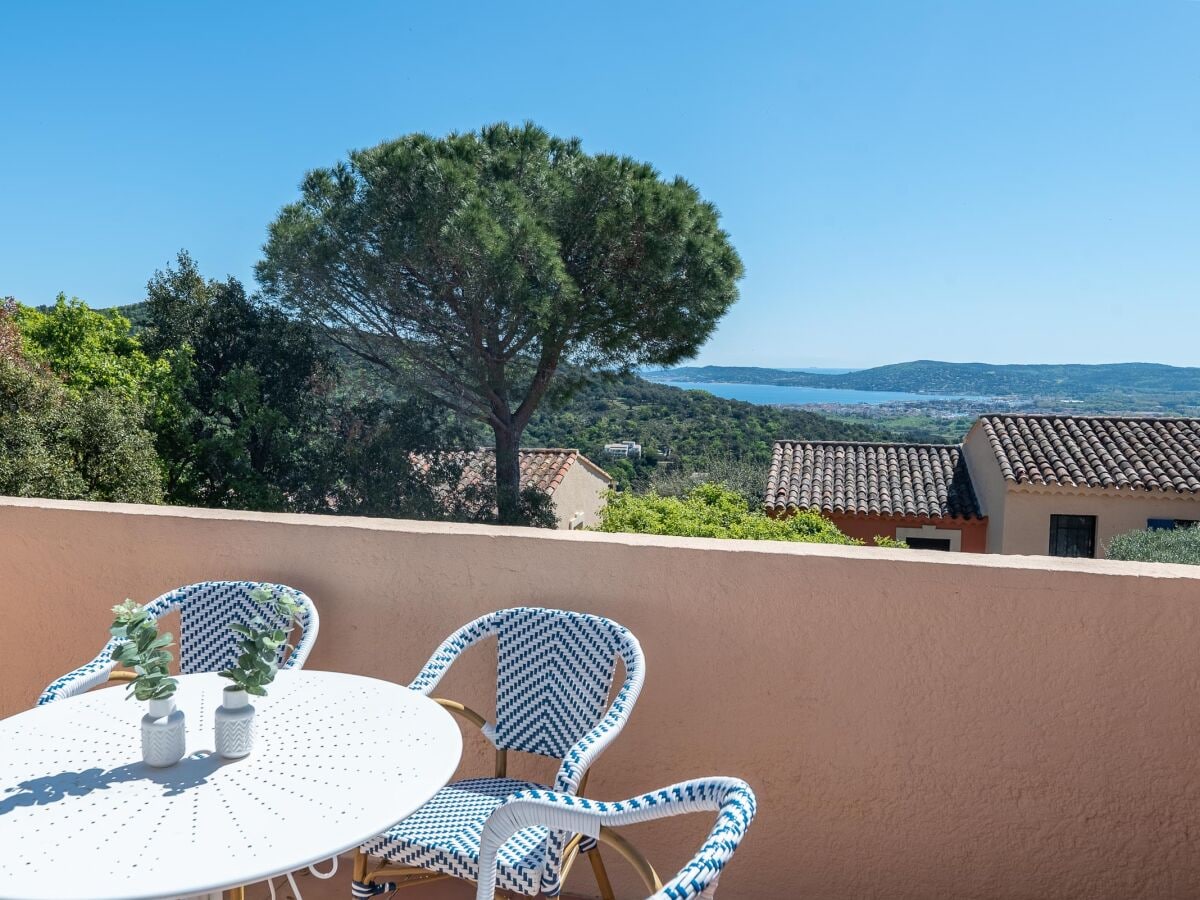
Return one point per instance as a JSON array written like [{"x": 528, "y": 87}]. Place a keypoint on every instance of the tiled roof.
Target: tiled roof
[
  {"x": 541, "y": 467},
  {"x": 927, "y": 480},
  {"x": 1097, "y": 451}
]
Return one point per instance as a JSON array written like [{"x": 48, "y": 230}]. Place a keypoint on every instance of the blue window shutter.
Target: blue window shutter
[{"x": 1160, "y": 524}]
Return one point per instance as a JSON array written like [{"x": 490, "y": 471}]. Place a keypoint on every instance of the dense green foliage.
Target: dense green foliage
[
  {"x": 1177, "y": 545},
  {"x": 481, "y": 267},
  {"x": 264, "y": 414},
  {"x": 68, "y": 444},
  {"x": 246, "y": 398},
  {"x": 680, "y": 431},
  {"x": 89, "y": 350},
  {"x": 710, "y": 510}
]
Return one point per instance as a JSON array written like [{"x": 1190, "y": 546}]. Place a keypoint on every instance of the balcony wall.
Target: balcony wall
[{"x": 916, "y": 724}]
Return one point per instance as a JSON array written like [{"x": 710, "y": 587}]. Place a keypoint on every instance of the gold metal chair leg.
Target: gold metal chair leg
[
  {"x": 602, "y": 882},
  {"x": 632, "y": 856}
]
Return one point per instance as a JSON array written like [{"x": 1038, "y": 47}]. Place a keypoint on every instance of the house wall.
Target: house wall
[
  {"x": 579, "y": 497},
  {"x": 1019, "y": 517},
  {"x": 973, "y": 532},
  {"x": 1028, "y": 511},
  {"x": 991, "y": 490},
  {"x": 916, "y": 724}
]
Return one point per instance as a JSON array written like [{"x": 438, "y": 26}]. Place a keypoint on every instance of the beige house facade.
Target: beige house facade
[
  {"x": 577, "y": 487},
  {"x": 580, "y": 494},
  {"x": 1066, "y": 485}
]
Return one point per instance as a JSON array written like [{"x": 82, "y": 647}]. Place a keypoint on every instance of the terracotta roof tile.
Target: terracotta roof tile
[
  {"x": 928, "y": 480},
  {"x": 1140, "y": 454},
  {"x": 541, "y": 467}
]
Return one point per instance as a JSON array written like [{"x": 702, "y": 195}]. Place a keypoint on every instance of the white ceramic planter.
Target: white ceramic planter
[
  {"x": 164, "y": 736},
  {"x": 235, "y": 725}
]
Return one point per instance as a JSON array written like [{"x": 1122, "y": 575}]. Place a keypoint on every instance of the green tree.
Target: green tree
[
  {"x": 479, "y": 265},
  {"x": 64, "y": 444},
  {"x": 374, "y": 459},
  {"x": 245, "y": 398},
  {"x": 1169, "y": 545},
  {"x": 711, "y": 510},
  {"x": 89, "y": 350}
]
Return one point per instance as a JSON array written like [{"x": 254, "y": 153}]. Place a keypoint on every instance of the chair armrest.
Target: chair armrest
[
  {"x": 487, "y": 729},
  {"x": 471, "y": 633},
  {"x": 594, "y": 818},
  {"x": 86, "y": 677},
  {"x": 462, "y": 711}
]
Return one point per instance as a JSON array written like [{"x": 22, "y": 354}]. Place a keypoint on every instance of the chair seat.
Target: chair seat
[{"x": 443, "y": 836}]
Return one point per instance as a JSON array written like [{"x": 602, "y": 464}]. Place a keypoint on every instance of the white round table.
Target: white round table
[{"x": 337, "y": 759}]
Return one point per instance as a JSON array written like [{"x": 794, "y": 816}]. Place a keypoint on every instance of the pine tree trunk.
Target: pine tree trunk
[{"x": 508, "y": 476}]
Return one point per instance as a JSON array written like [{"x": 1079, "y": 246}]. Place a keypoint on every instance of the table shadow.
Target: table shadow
[{"x": 191, "y": 771}]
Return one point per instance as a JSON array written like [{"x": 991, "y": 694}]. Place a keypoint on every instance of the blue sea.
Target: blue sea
[{"x": 774, "y": 394}]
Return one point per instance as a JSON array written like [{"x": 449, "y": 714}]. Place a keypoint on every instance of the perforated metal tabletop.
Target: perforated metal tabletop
[{"x": 337, "y": 759}]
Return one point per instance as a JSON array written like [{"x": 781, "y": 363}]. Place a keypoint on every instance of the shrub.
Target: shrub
[
  {"x": 711, "y": 510},
  {"x": 1179, "y": 545},
  {"x": 744, "y": 474}
]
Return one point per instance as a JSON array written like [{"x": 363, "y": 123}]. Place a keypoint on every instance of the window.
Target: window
[
  {"x": 1169, "y": 524},
  {"x": 930, "y": 537},
  {"x": 920, "y": 543},
  {"x": 1073, "y": 536}
]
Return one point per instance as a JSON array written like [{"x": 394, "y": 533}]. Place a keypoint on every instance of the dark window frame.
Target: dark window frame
[
  {"x": 928, "y": 543},
  {"x": 1170, "y": 524},
  {"x": 1073, "y": 536}
]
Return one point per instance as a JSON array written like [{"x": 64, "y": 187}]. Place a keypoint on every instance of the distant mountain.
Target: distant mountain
[{"x": 980, "y": 379}]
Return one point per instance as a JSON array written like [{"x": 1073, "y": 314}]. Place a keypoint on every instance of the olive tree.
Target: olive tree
[{"x": 481, "y": 267}]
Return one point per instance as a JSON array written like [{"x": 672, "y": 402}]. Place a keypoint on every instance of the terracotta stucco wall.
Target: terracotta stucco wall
[
  {"x": 973, "y": 531},
  {"x": 1027, "y": 514},
  {"x": 917, "y": 724},
  {"x": 580, "y": 491}
]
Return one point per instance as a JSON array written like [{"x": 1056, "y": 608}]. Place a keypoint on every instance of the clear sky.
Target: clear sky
[{"x": 997, "y": 180}]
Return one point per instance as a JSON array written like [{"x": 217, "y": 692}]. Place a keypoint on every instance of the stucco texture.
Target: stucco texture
[
  {"x": 916, "y": 724},
  {"x": 580, "y": 497},
  {"x": 1027, "y": 514}
]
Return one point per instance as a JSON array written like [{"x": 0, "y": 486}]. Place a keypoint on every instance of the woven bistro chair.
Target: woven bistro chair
[
  {"x": 535, "y": 811},
  {"x": 206, "y": 644},
  {"x": 554, "y": 674}
]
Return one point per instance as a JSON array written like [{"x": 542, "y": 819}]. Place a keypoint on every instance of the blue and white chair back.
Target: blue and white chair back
[
  {"x": 555, "y": 672},
  {"x": 567, "y": 814},
  {"x": 206, "y": 644}
]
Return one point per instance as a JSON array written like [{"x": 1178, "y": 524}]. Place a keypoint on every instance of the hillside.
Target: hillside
[
  {"x": 977, "y": 379},
  {"x": 677, "y": 427}
]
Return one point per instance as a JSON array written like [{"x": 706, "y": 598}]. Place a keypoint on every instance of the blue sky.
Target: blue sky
[{"x": 998, "y": 180}]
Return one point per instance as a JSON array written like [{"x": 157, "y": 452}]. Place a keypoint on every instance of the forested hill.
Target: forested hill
[
  {"x": 689, "y": 424},
  {"x": 981, "y": 379}
]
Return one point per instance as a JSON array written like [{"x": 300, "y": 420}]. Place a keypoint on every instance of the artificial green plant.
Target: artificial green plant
[
  {"x": 144, "y": 650},
  {"x": 261, "y": 645}
]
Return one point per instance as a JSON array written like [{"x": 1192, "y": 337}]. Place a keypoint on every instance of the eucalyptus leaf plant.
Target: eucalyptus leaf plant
[
  {"x": 261, "y": 645},
  {"x": 144, "y": 650}
]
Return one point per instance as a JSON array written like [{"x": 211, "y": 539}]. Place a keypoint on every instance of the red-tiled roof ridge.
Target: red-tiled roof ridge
[
  {"x": 1135, "y": 453},
  {"x": 541, "y": 467},
  {"x": 871, "y": 478},
  {"x": 869, "y": 443}
]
